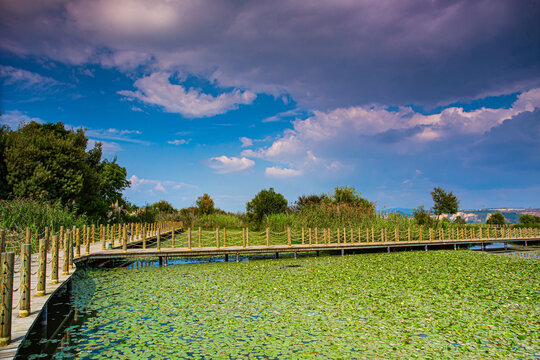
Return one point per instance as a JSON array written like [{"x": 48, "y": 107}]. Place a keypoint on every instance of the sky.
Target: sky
[{"x": 231, "y": 97}]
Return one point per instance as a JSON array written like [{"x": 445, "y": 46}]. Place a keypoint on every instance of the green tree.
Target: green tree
[
  {"x": 460, "y": 220},
  {"x": 5, "y": 189},
  {"x": 307, "y": 200},
  {"x": 421, "y": 216},
  {"x": 266, "y": 202},
  {"x": 496, "y": 219},
  {"x": 444, "y": 202},
  {"x": 163, "y": 206},
  {"x": 205, "y": 204},
  {"x": 348, "y": 195},
  {"x": 528, "y": 219},
  {"x": 48, "y": 162}
]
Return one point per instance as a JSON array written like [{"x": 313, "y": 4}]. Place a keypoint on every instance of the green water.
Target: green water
[{"x": 440, "y": 304}]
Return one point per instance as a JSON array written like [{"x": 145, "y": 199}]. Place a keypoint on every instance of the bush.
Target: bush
[
  {"x": 266, "y": 202},
  {"x": 528, "y": 219},
  {"x": 496, "y": 219},
  {"x": 422, "y": 217}
]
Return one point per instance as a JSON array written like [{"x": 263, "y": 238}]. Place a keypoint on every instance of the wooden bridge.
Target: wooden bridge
[{"x": 79, "y": 247}]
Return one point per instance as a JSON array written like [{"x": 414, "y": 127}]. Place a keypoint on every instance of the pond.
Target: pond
[{"x": 449, "y": 304}]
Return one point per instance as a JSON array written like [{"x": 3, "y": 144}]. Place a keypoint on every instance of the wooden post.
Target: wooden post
[
  {"x": 338, "y": 236},
  {"x": 6, "y": 284},
  {"x": 131, "y": 237},
  {"x": 158, "y": 241},
  {"x": 54, "y": 261},
  {"x": 103, "y": 237},
  {"x": 77, "y": 243},
  {"x": 396, "y": 235},
  {"x": 316, "y": 236},
  {"x": 65, "y": 262},
  {"x": 93, "y": 233},
  {"x": 61, "y": 237},
  {"x": 352, "y": 236},
  {"x": 247, "y": 236},
  {"x": 42, "y": 267},
  {"x": 189, "y": 239},
  {"x": 420, "y": 233},
  {"x": 430, "y": 234},
  {"x": 200, "y": 236},
  {"x": 124, "y": 239},
  {"x": 344, "y": 236},
  {"x": 2, "y": 240},
  {"x": 217, "y": 238},
  {"x": 70, "y": 250},
  {"x": 224, "y": 237},
  {"x": 172, "y": 236},
  {"x": 267, "y": 237},
  {"x": 28, "y": 236},
  {"x": 382, "y": 235},
  {"x": 243, "y": 239},
  {"x": 24, "y": 307},
  {"x": 87, "y": 241},
  {"x": 440, "y": 235},
  {"x": 372, "y": 235},
  {"x": 303, "y": 237},
  {"x": 309, "y": 237},
  {"x": 409, "y": 234},
  {"x": 289, "y": 236}
]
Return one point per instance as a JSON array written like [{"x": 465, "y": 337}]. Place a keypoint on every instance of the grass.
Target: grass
[
  {"x": 18, "y": 214},
  {"x": 440, "y": 304}
]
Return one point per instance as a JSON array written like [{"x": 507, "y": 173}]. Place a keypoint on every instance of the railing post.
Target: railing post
[
  {"x": 431, "y": 234},
  {"x": 6, "y": 287},
  {"x": 338, "y": 236},
  {"x": 409, "y": 234},
  {"x": 188, "y": 239},
  {"x": 42, "y": 269},
  {"x": 71, "y": 252},
  {"x": 224, "y": 237},
  {"x": 103, "y": 237},
  {"x": 65, "y": 262},
  {"x": 243, "y": 238},
  {"x": 247, "y": 237},
  {"x": 267, "y": 237},
  {"x": 158, "y": 242},
  {"x": 124, "y": 239},
  {"x": 24, "y": 307},
  {"x": 78, "y": 243},
  {"x": 396, "y": 233},
  {"x": 217, "y": 238},
  {"x": 54, "y": 261},
  {"x": 144, "y": 235},
  {"x": 2, "y": 240},
  {"x": 288, "y": 236},
  {"x": 382, "y": 235},
  {"x": 87, "y": 240},
  {"x": 172, "y": 236},
  {"x": 200, "y": 236},
  {"x": 61, "y": 237}
]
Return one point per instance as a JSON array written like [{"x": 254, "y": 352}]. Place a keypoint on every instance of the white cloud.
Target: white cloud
[
  {"x": 278, "y": 172},
  {"x": 25, "y": 79},
  {"x": 179, "y": 141},
  {"x": 109, "y": 148},
  {"x": 344, "y": 128},
  {"x": 149, "y": 185},
  {"x": 225, "y": 165},
  {"x": 246, "y": 142},
  {"x": 156, "y": 89},
  {"x": 122, "y": 135},
  {"x": 16, "y": 118},
  {"x": 284, "y": 115}
]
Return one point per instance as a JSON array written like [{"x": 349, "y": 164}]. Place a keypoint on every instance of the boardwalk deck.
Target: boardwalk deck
[{"x": 20, "y": 326}]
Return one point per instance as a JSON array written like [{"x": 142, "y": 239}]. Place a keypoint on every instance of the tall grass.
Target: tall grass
[
  {"x": 220, "y": 221},
  {"x": 18, "y": 214}
]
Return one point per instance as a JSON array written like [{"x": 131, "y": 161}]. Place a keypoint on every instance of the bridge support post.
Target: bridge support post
[
  {"x": 425, "y": 248},
  {"x": 160, "y": 260},
  {"x": 277, "y": 255},
  {"x": 483, "y": 246},
  {"x": 226, "y": 257},
  {"x": 455, "y": 247},
  {"x": 505, "y": 246},
  {"x": 40, "y": 291},
  {"x": 24, "y": 307},
  {"x": 388, "y": 249},
  {"x": 342, "y": 252},
  {"x": 7, "y": 265},
  {"x": 237, "y": 257},
  {"x": 525, "y": 242},
  {"x": 295, "y": 256},
  {"x": 317, "y": 252}
]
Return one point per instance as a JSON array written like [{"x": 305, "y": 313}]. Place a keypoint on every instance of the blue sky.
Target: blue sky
[{"x": 228, "y": 98}]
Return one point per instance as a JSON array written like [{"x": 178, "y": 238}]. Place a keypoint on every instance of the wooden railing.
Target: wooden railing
[{"x": 73, "y": 243}]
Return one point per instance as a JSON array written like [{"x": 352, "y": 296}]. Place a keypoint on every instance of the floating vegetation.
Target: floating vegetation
[{"x": 439, "y": 304}]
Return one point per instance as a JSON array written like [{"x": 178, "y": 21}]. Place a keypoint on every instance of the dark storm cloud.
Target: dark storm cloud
[{"x": 325, "y": 54}]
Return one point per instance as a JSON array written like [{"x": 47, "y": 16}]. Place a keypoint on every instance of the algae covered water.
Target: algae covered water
[{"x": 449, "y": 304}]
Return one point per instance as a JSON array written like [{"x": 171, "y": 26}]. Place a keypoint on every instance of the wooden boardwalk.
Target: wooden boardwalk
[
  {"x": 137, "y": 253},
  {"x": 21, "y": 325},
  {"x": 148, "y": 245}
]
